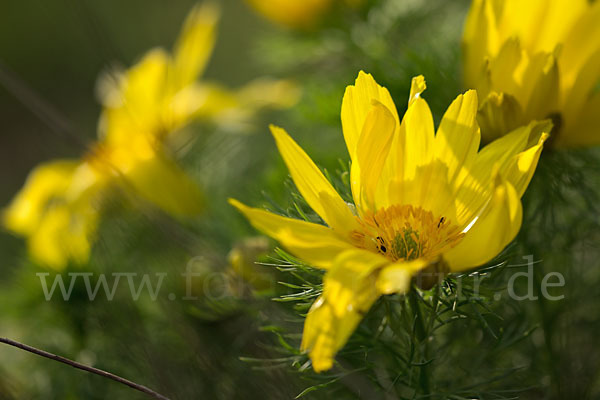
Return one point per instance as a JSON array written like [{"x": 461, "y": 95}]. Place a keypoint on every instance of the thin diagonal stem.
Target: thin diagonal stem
[{"x": 77, "y": 365}]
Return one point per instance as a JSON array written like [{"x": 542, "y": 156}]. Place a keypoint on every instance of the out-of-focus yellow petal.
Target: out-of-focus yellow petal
[
  {"x": 532, "y": 79},
  {"x": 457, "y": 139},
  {"x": 497, "y": 225},
  {"x": 522, "y": 20},
  {"x": 498, "y": 114},
  {"x": 558, "y": 19},
  {"x": 295, "y": 14},
  {"x": 541, "y": 87},
  {"x": 580, "y": 44},
  {"x": 47, "y": 181},
  {"x": 507, "y": 69},
  {"x": 578, "y": 100},
  {"x": 544, "y": 54},
  {"x": 195, "y": 43},
  {"x": 136, "y": 103},
  {"x": 162, "y": 182},
  {"x": 313, "y": 186},
  {"x": 480, "y": 39},
  {"x": 315, "y": 244},
  {"x": 203, "y": 101},
  {"x": 215, "y": 102},
  {"x": 346, "y": 277},
  {"x": 371, "y": 153},
  {"x": 64, "y": 235},
  {"x": 265, "y": 92},
  {"x": 357, "y": 103}
]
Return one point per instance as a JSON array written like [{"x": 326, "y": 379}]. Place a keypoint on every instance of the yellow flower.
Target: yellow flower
[
  {"x": 420, "y": 200},
  {"x": 296, "y": 14},
  {"x": 58, "y": 208},
  {"x": 161, "y": 93},
  {"x": 535, "y": 59}
]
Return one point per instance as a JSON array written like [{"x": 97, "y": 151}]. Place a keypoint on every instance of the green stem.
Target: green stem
[{"x": 422, "y": 337}]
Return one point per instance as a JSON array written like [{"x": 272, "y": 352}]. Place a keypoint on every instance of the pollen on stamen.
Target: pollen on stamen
[{"x": 405, "y": 233}]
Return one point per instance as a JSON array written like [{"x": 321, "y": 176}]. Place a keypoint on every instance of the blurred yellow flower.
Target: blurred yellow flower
[
  {"x": 420, "y": 200},
  {"x": 58, "y": 208},
  {"x": 161, "y": 93},
  {"x": 296, "y": 14},
  {"x": 535, "y": 59}
]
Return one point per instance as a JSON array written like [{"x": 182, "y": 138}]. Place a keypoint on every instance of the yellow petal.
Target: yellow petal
[
  {"x": 136, "y": 103},
  {"x": 343, "y": 282},
  {"x": 64, "y": 235},
  {"x": 371, "y": 153},
  {"x": 520, "y": 170},
  {"x": 507, "y": 68},
  {"x": 303, "y": 14},
  {"x": 264, "y": 92},
  {"x": 203, "y": 101},
  {"x": 480, "y": 40},
  {"x": 396, "y": 277},
  {"x": 195, "y": 43},
  {"x": 559, "y": 18},
  {"x": 357, "y": 103},
  {"x": 505, "y": 152},
  {"x": 523, "y": 20},
  {"x": 498, "y": 224},
  {"x": 417, "y": 86},
  {"x": 417, "y": 134},
  {"x": 457, "y": 139},
  {"x": 162, "y": 182},
  {"x": 315, "y": 244},
  {"x": 326, "y": 332},
  {"x": 579, "y": 97},
  {"x": 313, "y": 186},
  {"x": 44, "y": 183},
  {"x": 541, "y": 87},
  {"x": 580, "y": 44},
  {"x": 498, "y": 114},
  {"x": 502, "y": 155}
]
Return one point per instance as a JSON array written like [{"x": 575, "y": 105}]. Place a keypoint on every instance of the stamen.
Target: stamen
[{"x": 405, "y": 233}]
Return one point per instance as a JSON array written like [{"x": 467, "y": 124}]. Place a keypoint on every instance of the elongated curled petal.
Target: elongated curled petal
[
  {"x": 326, "y": 332},
  {"x": 313, "y": 243},
  {"x": 496, "y": 225},
  {"x": 313, "y": 186},
  {"x": 372, "y": 153}
]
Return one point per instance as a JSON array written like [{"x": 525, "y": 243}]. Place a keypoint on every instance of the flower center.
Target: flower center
[{"x": 404, "y": 233}]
